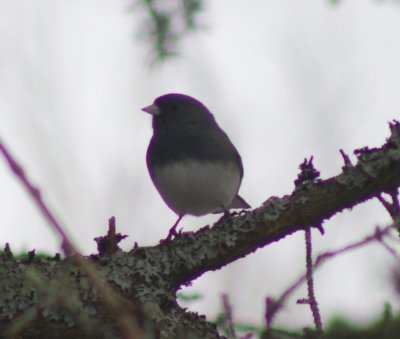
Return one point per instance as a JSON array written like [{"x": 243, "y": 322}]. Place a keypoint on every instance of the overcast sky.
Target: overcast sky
[{"x": 285, "y": 79}]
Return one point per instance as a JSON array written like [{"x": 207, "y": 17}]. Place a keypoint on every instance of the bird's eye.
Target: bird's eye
[{"x": 174, "y": 107}]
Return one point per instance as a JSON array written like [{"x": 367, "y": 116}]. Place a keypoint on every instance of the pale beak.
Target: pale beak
[{"x": 152, "y": 109}]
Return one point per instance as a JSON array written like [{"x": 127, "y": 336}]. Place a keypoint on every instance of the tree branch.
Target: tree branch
[
  {"x": 151, "y": 275},
  {"x": 377, "y": 170}
]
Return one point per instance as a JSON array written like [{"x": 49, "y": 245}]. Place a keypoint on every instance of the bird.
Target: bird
[{"x": 191, "y": 160}]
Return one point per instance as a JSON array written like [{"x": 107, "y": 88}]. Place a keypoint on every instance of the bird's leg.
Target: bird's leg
[
  {"x": 226, "y": 214},
  {"x": 172, "y": 231}
]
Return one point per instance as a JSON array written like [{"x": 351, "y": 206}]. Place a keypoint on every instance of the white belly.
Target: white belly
[{"x": 197, "y": 188}]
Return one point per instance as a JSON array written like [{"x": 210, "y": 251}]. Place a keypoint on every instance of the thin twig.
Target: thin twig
[
  {"x": 115, "y": 304},
  {"x": 392, "y": 208},
  {"x": 396, "y": 207},
  {"x": 7, "y": 251},
  {"x": 396, "y": 204},
  {"x": 388, "y": 206},
  {"x": 378, "y": 234},
  {"x": 346, "y": 159},
  {"x": 312, "y": 301},
  {"x": 35, "y": 194},
  {"x": 390, "y": 249},
  {"x": 271, "y": 307},
  {"x": 278, "y": 303},
  {"x": 229, "y": 316}
]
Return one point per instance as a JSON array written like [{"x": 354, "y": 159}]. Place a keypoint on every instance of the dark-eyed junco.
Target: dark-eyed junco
[{"x": 191, "y": 161}]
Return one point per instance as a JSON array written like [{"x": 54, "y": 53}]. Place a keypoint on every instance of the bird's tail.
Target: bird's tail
[{"x": 239, "y": 202}]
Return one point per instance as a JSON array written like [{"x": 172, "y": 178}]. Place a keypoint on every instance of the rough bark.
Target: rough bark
[{"x": 44, "y": 298}]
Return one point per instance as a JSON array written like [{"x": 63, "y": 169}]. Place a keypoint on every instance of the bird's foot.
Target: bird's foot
[
  {"x": 225, "y": 216},
  {"x": 172, "y": 232}
]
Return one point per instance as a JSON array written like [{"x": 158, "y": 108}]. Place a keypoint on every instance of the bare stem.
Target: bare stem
[
  {"x": 312, "y": 301},
  {"x": 275, "y": 305},
  {"x": 229, "y": 316},
  {"x": 115, "y": 304},
  {"x": 36, "y": 197}
]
